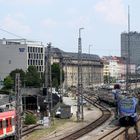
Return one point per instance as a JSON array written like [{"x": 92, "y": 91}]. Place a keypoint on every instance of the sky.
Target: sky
[{"x": 58, "y": 22}]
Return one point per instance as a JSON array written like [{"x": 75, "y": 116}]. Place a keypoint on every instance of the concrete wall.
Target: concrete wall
[{"x": 11, "y": 57}]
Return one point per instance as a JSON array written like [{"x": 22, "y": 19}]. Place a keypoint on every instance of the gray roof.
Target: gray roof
[{"x": 75, "y": 55}]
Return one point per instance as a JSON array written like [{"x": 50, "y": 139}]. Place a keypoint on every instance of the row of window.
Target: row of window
[
  {"x": 8, "y": 123},
  {"x": 35, "y": 56},
  {"x": 35, "y": 49},
  {"x": 40, "y": 68},
  {"x": 35, "y": 62}
]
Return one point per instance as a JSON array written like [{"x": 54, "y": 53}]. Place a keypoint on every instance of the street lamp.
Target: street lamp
[{"x": 80, "y": 94}]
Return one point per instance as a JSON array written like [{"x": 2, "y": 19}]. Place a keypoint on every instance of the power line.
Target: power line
[{"x": 12, "y": 33}]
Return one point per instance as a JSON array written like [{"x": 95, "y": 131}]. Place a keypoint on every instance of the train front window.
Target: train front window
[
  {"x": 6, "y": 122},
  {"x": 1, "y": 124},
  {"x": 10, "y": 122}
]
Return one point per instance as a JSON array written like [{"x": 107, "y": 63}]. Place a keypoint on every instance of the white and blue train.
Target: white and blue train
[
  {"x": 127, "y": 111},
  {"x": 126, "y": 105}
]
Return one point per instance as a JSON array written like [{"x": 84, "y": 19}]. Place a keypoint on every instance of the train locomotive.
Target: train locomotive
[
  {"x": 126, "y": 105},
  {"x": 7, "y": 124},
  {"x": 127, "y": 111}
]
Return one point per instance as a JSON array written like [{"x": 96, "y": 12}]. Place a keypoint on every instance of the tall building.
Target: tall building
[
  {"x": 19, "y": 54},
  {"x": 134, "y": 47}
]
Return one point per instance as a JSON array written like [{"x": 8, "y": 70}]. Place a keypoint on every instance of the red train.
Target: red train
[{"x": 7, "y": 124}]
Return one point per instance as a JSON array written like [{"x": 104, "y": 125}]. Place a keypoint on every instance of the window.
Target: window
[
  {"x": 41, "y": 62},
  {"x": 31, "y": 49},
  {"x": 34, "y": 56},
  {"x": 28, "y": 49},
  {"x": 38, "y": 62},
  {"x": 41, "y": 50},
  {"x": 29, "y": 56},
  {"x": 33, "y": 62},
  {"x": 39, "y": 68},
  {"x": 1, "y": 124},
  {"x": 6, "y": 122},
  {"x": 10, "y": 122},
  {"x": 39, "y": 56}
]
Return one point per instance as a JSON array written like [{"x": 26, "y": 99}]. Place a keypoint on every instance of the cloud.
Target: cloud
[
  {"x": 112, "y": 10},
  {"x": 49, "y": 23},
  {"x": 12, "y": 24}
]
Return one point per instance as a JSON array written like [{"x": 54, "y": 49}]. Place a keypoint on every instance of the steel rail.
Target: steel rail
[{"x": 106, "y": 114}]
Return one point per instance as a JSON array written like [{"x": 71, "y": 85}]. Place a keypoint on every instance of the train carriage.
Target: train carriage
[
  {"x": 107, "y": 96},
  {"x": 7, "y": 124}
]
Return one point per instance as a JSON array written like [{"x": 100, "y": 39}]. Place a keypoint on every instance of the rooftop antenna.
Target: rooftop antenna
[{"x": 128, "y": 86}]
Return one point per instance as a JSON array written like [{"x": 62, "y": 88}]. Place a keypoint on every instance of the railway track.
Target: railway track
[
  {"x": 106, "y": 114},
  {"x": 120, "y": 133},
  {"x": 30, "y": 129}
]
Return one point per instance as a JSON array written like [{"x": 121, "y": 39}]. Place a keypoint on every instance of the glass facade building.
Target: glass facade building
[{"x": 134, "y": 47}]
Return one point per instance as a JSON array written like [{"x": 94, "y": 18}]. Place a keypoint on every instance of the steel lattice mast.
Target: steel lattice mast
[
  {"x": 80, "y": 114},
  {"x": 49, "y": 79},
  {"x": 18, "y": 107},
  {"x": 128, "y": 71}
]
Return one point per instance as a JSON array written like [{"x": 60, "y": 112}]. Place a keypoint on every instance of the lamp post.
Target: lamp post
[{"x": 80, "y": 94}]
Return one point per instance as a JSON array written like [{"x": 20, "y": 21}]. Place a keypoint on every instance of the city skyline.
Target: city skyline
[{"x": 58, "y": 22}]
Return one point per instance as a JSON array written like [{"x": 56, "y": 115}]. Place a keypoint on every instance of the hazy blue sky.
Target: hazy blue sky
[{"x": 58, "y": 21}]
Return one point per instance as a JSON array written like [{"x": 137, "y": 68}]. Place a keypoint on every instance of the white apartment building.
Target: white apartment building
[
  {"x": 112, "y": 66},
  {"x": 19, "y": 54},
  {"x": 116, "y": 67}
]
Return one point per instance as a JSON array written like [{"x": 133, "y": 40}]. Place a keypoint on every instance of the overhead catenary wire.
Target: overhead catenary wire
[{"x": 12, "y": 33}]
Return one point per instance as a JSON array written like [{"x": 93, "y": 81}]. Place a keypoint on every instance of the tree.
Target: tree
[
  {"x": 30, "y": 119},
  {"x": 22, "y": 75},
  {"x": 55, "y": 69},
  {"x": 8, "y": 83},
  {"x": 106, "y": 79},
  {"x": 33, "y": 77}
]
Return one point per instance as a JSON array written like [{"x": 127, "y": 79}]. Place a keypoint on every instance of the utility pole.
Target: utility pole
[
  {"x": 46, "y": 82},
  {"x": 18, "y": 107},
  {"x": 128, "y": 71},
  {"x": 49, "y": 80},
  {"x": 65, "y": 74},
  {"x": 61, "y": 69},
  {"x": 80, "y": 93}
]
